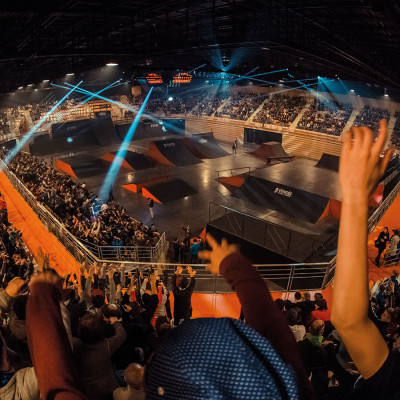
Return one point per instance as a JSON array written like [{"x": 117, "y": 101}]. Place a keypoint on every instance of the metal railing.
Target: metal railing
[
  {"x": 84, "y": 251},
  {"x": 279, "y": 277},
  {"x": 273, "y": 237}
]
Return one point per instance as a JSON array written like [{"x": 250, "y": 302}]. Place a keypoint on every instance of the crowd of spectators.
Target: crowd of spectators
[
  {"x": 326, "y": 117},
  {"x": 4, "y": 123},
  {"x": 280, "y": 110},
  {"x": 103, "y": 224},
  {"x": 395, "y": 139},
  {"x": 370, "y": 117},
  {"x": 241, "y": 105}
]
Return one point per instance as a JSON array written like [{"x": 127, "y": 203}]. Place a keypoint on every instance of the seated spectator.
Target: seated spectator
[
  {"x": 326, "y": 116},
  {"x": 280, "y": 110},
  {"x": 370, "y": 117}
]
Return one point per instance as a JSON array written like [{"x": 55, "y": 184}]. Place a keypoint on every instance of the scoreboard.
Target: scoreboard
[
  {"x": 182, "y": 77},
  {"x": 154, "y": 79}
]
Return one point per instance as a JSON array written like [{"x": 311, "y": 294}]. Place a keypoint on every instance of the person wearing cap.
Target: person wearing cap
[{"x": 224, "y": 358}]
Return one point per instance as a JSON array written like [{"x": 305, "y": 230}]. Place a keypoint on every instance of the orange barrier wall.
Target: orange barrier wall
[{"x": 34, "y": 233}]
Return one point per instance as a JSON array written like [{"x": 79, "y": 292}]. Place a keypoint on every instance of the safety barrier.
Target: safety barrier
[
  {"x": 84, "y": 251},
  {"x": 279, "y": 277}
]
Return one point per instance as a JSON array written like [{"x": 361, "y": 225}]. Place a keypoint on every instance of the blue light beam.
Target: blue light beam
[
  {"x": 16, "y": 149},
  {"x": 119, "y": 157}
]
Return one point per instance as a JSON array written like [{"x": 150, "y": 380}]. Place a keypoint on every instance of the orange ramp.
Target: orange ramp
[
  {"x": 109, "y": 157},
  {"x": 64, "y": 167}
]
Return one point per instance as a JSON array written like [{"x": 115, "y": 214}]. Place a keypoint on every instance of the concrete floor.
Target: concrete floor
[{"x": 194, "y": 210}]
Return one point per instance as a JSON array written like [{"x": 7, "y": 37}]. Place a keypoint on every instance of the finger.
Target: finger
[
  {"x": 211, "y": 241},
  {"x": 367, "y": 138},
  {"x": 205, "y": 255},
  {"x": 381, "y": 139},
  {"x": 358, "y": 137},
  {"x": 385, "y": 160},
  {"x": 224, "y": 243},
  {"x": 347, "y": 144},
  {"x": 208, "y": 267}
]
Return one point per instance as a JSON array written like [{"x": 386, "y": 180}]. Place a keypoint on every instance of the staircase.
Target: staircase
[
  {"x": 350, "y": 121},
  {"x": 293, "y": 125},
  {"x": 261, "y": 106}
]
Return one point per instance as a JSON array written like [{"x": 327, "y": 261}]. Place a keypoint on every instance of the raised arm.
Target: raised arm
[
  {"x": 260, "y": 311},
  {"x": 361, "y": 167},
  {"x": 48, "y": 341}
]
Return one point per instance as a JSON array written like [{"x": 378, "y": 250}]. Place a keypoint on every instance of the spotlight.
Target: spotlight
[
  {"x": 70, "y": 140},
  {"x": 351, "y": 90},
  {"x": 45, "y": 80},
  {"x": 21, "y": 87},
  {"x": 31, "y": 84},
  {"x": 36, "y": 89},
  {"x": 170, "y": 98},
  {"x": 70, "y": 74},
  {"x": 386, "y": 94},
  {"x": 112, "y": 64}
]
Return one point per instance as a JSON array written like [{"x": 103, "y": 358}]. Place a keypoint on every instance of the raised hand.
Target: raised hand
[
  {"x": 217, "y": 254},
  {"x": 361, "y": 164},
  {"x": 179, "y": 271},
  {"x": 15, "y": 287}
]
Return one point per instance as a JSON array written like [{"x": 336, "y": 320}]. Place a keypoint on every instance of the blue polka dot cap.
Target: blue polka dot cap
[{"x": 218, "y": 358}]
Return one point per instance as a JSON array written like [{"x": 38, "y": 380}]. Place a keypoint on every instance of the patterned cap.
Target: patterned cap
[{"x": 218, "y": 358}]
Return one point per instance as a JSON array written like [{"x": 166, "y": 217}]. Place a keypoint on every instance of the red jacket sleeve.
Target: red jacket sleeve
[
  {"x": 263, "y": 315},
  {"x": 49, "y": 346}
]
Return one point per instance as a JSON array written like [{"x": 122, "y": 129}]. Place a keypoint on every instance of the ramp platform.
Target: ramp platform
[
  {"x": 203, "y": 145},
  {"x": 271, "y": 151},
  {"x": 284, "y": 199},
  {"x": 82, "y": 166},
  {"x": 168, "y": 191},
  {"x": 133, "y": 161},
  {"x": 328, "y": 161},
  {"x": 172, "y": 152}
]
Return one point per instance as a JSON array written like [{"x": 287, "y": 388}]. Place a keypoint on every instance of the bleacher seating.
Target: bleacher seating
[
  {"x": 370, "y": 116},
  {"x": 280, "y": 110},
  {"x": 326, "y": 117}
]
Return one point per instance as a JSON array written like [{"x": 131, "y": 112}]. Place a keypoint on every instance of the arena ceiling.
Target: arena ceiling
[{"x": 356, "y": 39}]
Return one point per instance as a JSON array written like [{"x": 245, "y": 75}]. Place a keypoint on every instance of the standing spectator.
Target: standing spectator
[
  {"x": 306, "y": 306},
  {"x": 393, "y": 246},
  {"x": 234, "y": 147},
  {"x": 380, "y": 301},
  {"x": 194, "y": 251},
  {"x": 182, "y": 290},
  {"x": 236, "y": 144},
  {"x": 150, "y": 203},
  {"x": 92, "y": 356},
  {"x": 176, "y": 247},
  {"x": 381, "y": 243},
  {"x": 293, "y": 316}
]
